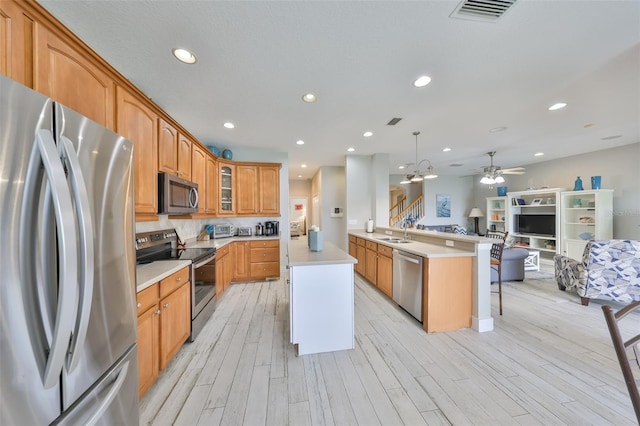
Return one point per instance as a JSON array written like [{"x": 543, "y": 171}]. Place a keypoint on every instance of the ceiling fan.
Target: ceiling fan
[{"x": 493, "y": 174}]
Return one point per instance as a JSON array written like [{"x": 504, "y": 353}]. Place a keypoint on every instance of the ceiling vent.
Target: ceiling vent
[
  {"x": 394, "y": 121},
  {"x": 482, "y": 10}
]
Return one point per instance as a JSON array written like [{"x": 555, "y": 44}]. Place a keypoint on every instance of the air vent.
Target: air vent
[
  {"x": 482, "y": 10},
  {"x": 394, "y": 121},
  {"x": 455, "y": 165}
]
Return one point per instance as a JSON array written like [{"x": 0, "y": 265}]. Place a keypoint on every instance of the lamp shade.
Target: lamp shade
[{"x": 476, "y": 212}]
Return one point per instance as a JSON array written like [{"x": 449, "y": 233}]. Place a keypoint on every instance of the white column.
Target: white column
[{"x": 481, "y": 319}]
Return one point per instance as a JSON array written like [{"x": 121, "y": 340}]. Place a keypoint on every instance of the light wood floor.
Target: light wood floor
[{"x": 549, "y": 361}]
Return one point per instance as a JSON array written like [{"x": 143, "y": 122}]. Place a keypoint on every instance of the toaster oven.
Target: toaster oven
[{"x": 223, "y": 230}]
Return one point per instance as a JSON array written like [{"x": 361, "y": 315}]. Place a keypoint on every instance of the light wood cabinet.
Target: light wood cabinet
[
  {"x": 247, "y": 189},
  {"x": 164, "y": 324},
  {"x": 371, "y": 262},
  {"x": 184, "y": 156},
  {"x": 137, "y": 122},
  {"x": 199, "y": 175},
  {"x": 63, "y": 73},
  {"x": 264, "y": 259},
  {"x": 224, "y": 269},
  {"x": 211, "y": 187},
  {"x": 167, "y": 148},
  {"x": 242, "y": 250},
  {"x": 269, "y": 193},
  {"x": 353, "y": 251},
  {"x": 361, "y": 255},
  {"x": 384, "y": 275},
  {"x": 227, "y": 176},
  {"x": 16, "y": 30}
]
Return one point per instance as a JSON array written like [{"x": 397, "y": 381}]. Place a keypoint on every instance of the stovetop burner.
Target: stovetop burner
[{"x": 161, "y": 245}]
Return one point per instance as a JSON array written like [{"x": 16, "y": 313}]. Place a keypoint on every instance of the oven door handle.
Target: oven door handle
[{"x": 205, "y": 261}]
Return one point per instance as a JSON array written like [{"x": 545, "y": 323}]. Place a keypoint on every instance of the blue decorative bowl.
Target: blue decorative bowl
[
  {"x": 214, "y": 150},
  {"x": 227, "y": 154},
  {"x": 586, "y": 236}
]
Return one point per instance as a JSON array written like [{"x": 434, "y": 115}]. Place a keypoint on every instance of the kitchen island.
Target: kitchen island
[{"x": 321, "y": 300}]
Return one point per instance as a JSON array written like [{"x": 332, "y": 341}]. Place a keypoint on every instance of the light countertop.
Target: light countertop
[
  {"x": 416, "y": 247},
  {"x": 221, "y": 242},
  {"x": 300, "y": 255},
  {"x": 150, "y": 273}
]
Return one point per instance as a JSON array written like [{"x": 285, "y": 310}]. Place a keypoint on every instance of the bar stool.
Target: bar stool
[{"x": 495, "y": 256}]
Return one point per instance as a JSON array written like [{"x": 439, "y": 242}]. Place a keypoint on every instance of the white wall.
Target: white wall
[
  {"x": 358, "y": 191},
  {"x": 620, "y": 171},
  {"x": 380, "y": 178}
]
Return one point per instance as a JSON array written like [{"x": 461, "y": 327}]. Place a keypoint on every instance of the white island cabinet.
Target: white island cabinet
[{"x": 321, "y": 301}]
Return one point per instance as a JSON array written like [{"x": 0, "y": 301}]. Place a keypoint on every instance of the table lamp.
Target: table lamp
[{"x": 476, "y": 213}]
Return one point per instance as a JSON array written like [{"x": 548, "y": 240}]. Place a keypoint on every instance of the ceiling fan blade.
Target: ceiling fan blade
[{"x": 515, "y": 171}]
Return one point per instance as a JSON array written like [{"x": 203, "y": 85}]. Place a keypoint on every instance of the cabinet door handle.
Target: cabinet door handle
[
  {"x": 179, "y": 279},
  {"x": 166, "y": 305},
  {"x": 139, "y": 305},
  {"x": 158, "y": 312}
]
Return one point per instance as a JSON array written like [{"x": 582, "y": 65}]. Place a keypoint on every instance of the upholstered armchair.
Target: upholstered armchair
[{"x": 610, "y": 270}]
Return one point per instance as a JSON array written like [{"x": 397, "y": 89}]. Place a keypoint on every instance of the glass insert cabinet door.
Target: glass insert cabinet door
[{"x": 226, "y": 189}]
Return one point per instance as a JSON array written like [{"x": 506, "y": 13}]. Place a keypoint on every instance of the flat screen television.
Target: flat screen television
[{"x": 539, "y": 224}]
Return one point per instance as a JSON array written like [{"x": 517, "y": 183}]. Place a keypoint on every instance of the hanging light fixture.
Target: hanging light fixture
[
  {"x": 492, "y": 174},
  {"x": 418, "y": 175}
]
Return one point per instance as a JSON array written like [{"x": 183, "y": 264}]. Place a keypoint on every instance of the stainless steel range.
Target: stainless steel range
[{"x": 165, "y": 245}]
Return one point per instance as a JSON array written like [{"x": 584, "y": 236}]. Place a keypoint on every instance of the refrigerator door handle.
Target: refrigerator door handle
[
  {"x": 107, "y": 399},
  {"x": 86, "y": 264},
  {"x": 51, "y": 355}
]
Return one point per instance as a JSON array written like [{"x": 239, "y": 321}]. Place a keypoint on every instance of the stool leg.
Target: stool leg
[{"x": 500, "y": 286}]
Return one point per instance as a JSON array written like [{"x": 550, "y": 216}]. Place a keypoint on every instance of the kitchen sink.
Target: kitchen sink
[{"x": 394, "y": 240}]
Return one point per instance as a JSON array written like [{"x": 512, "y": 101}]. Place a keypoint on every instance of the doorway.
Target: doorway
[{"x": 298, "y": 216}]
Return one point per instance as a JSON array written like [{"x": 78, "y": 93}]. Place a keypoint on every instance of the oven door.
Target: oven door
[{"x": 203, "y": 293}]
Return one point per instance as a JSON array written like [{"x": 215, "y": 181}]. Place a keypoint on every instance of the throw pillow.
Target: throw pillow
[{"x": 460, "y": 230}]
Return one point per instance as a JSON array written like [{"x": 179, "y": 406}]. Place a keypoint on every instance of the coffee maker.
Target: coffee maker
[
  {"x": 271, "y": 227},
  {"x": 259, "y": 229}
]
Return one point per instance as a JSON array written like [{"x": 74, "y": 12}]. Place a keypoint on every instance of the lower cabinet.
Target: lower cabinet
[
  {"x": 241, "y": 271},
  {"x": 164, "y": 324},
  {"x": 264, "y": 259},
  {"x": 384, "y": 274},
  {"x": 371, "y": 262},
  {"x": 361, "y": 254},
  {"x": 224, "y": 269}
]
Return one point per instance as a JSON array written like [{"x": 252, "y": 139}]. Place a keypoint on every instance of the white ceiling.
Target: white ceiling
[{"x": 257, "y": 59}]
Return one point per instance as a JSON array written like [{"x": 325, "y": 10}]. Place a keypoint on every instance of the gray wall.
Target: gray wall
[{"x": 620, "y": 171}]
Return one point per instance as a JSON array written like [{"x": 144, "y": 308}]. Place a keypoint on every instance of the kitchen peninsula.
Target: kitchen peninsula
[
  {"x": 321, "y": 300},
  {"x": 456, "y": 283}
]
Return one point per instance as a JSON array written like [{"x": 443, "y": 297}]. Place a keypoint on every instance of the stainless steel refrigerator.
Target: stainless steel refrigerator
[{"x": 68, "y": 350}]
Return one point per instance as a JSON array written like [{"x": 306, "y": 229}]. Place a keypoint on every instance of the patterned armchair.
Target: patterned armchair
[{"x": 610, "y": 269}]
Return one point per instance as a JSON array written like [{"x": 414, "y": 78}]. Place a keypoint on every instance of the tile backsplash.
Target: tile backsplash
[{"x": 188, "y": 229}]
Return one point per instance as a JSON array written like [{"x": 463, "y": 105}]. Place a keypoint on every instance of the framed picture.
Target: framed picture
[
  {"x": 443, "y": 205},
  {"x": 521, "y": 202},
  {"x": 536, "y": 201}
]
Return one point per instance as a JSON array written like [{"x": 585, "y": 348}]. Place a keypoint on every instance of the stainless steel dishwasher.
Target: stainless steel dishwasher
[{"x": 407, "y": 282}]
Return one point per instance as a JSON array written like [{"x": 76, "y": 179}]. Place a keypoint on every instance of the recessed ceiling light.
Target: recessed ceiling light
[
  {"x": 300, "y": 142},
  {"x": 557, "y": 106},
  {"x": 299, "y": 176},
  {"x": 608, "y": 138},
  {"x": 422, "y": 81},
  {"x": 183, "y": 55},
  {"x": 351, "y": 149},
  {"x": 538, "y": 154},
  {"x": 229, "y": 125},
  {"x": 367, "y": 134},
  {"x": 309, "y": 98},
  {"x": 303, "y": 166},
  {"x": 497, "y": 129},
  {"x": 446, "y": 149}
]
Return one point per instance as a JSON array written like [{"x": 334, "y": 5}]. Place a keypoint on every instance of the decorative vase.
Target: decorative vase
[
  {"x": 577, "y": 186},
  {"x": 214, "y": 150},
  {"x": 227, "y": 154},
  {"x": 595, "y": 182}
]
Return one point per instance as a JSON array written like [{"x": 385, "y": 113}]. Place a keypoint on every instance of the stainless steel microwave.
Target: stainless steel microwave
[{"x": 176, "y": 195}]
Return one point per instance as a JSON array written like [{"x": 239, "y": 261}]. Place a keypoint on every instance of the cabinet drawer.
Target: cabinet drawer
[
  {"x": 265, "y": 243},
  {"x": 265, "y": 269},
  {"x": 222, "y": 251},
  {"x": 148, "y": 297},
  {"x": 361, "y": 241},
  {"x": 265, "y": 255},
  {"x": 385, "y": 250},
  {"x": 352, "y": 239},
  {"x": 372, "y": 246},
  {"x": 173, "y": 281}
]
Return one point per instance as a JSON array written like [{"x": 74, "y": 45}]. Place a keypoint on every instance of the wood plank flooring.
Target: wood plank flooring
[{"x": 549, "y": 361}]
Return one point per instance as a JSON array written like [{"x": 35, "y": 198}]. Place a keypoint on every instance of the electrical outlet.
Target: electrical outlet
[
  {"x": 449, "y": 243},
  {"x": 388, "y": 232}
]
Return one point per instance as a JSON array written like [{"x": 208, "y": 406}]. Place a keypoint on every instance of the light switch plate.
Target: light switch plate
[{"x": 449, "y": 243}]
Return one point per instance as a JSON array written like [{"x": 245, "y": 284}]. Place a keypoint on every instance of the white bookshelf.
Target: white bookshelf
[
  {"x": 538, "y": 201},
  {"x": 585, "y": 215},
  {"x": 496, "y": 214}
]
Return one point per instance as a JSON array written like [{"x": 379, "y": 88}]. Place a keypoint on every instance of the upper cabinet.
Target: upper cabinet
[
  {"x": 16, "y": 29},
  {"x": 211, "y": 194},
  {"x": 227, "y": 176},
  {"x": 269, "y": 194},
  {"x": 64, "y": 74},
  {"x": 167, "y": 148},
  {"x": 199, "y": 175},
  {"x": 247, "y": 185},
  {"x": 137, "y": 122},
  {"x": 184, "y": 156}
]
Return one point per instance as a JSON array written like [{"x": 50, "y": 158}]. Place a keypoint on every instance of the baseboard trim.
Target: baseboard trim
[{"x": 482, "y": 325}]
